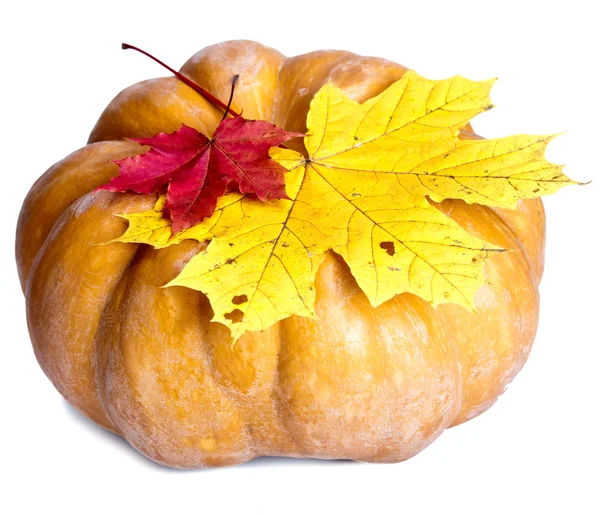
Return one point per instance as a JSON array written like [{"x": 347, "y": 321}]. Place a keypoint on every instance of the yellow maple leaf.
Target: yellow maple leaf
[
  {"x": 153, "y": 228},
  {"x": 362, "y": 192}
]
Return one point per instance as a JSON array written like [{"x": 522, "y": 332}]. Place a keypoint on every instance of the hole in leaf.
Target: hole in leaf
[
  {"x": 388, "y": 246},
  {"x": 239, "y": 299},
  {"x": 235, "y": 316}
]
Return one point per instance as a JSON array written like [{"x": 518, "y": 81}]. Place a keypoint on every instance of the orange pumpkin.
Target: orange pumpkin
[{"x": 373, "y": 384}]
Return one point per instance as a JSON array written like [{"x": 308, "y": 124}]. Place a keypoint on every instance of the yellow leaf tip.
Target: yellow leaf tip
[{"x": 105, "y": 243}]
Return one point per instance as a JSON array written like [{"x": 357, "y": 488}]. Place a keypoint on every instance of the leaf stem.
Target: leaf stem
[
  {"x": 209, "y": 96},
  {"x": 228, "y": 108}
]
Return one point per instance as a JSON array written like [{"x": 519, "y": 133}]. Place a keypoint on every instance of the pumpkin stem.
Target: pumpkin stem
[
  {"x": 209, "y": 96},
  {"x": 228, "y": 108}
]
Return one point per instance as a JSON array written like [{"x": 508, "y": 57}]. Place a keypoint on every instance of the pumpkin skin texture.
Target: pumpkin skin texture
[{"x": 362, "y": 383}]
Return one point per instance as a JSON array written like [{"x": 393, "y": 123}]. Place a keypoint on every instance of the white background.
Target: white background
[{"x": 535, "y": 451}]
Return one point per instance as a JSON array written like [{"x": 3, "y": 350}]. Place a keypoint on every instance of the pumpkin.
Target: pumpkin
[{"x": 362, "y": 383}]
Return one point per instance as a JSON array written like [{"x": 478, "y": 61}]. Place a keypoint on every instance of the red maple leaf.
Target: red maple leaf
[{"x": 198, "y": 170}]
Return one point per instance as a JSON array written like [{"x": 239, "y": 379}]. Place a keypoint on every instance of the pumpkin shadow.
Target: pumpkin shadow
[
  {"x": 126, "y": 448},
  {"x": 115, "y": 440},
  {"x": 284, "y": 461}
]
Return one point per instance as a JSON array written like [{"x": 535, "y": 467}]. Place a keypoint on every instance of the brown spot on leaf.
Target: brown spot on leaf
[
  {"x": 235, "y": 316},
  {"x": 239, "y": 299},
  {"x": 389, "y": 247}
]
